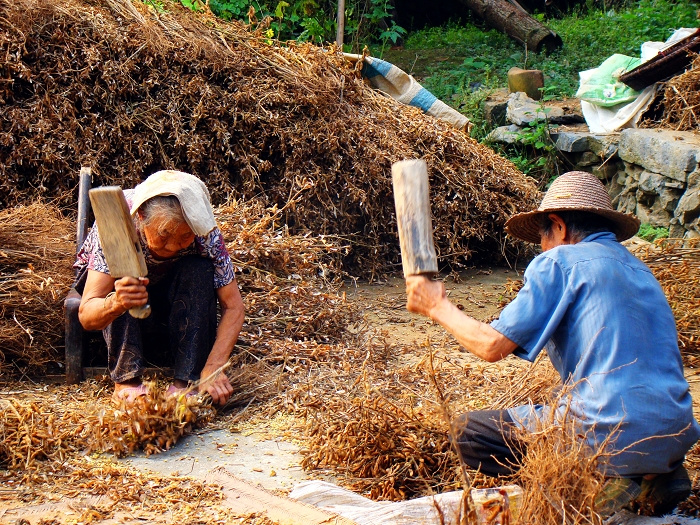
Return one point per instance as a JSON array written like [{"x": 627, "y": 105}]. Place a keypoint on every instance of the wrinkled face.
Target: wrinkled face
[{"x": 166, "y": 240}]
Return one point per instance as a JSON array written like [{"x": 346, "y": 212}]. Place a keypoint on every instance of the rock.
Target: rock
[
  {"x": 633, "y": 171},
  {"x": 616, "y": 189},
  {"x": 522, "y": 110},
  {"x": 495, "y": 107},
  {"x": 655, "y": 215},
  {"x": 606, "y": 171},
  {"x": 651, "y": 182},
  {"x": 604, "y": 146},
  {"x": 505, "y": 134},
  {"x": 529, "y": 81},
  {"x": 688, "y": 208},
  {"x": 693, "y": 230},
  {"x": 571, "y": 141},
  {"x": 675, "y": 229},
  {"x": 670, "y": 153},
  {"x": 587, "y": 158},
  {"x": 626, "y": 202}
]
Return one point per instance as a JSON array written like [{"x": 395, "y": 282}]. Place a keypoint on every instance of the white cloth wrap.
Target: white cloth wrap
[{"x": 191, "y": 192}]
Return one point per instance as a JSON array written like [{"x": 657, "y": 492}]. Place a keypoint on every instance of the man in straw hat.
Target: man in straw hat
[{"x": 608, "y": 330}]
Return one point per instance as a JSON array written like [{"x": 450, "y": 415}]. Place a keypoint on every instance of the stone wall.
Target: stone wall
[
  {"x": 660, "y": 179},
  {"x": 653, "y": 174}
]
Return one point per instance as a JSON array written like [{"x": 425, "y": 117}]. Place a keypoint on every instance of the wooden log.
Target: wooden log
[
  {"x": 516, "y": 23},
  {"x": 412, "y": 200}
]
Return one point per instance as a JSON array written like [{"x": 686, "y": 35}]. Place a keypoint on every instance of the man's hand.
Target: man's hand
[
  {"x": 423, "y": 294},
  {"x": 218, "y": 386}
]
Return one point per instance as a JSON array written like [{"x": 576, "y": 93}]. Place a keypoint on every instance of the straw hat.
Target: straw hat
[{"x": 575, "y": 190}]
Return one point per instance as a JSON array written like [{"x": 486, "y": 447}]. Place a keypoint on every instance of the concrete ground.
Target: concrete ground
[{"x": 273, "y": 464}]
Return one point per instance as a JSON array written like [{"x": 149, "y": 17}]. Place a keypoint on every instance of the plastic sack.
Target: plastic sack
[{"x": 602, "y": 86}]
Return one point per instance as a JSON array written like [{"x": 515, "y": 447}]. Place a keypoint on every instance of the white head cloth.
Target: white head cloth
[{"x": 189, "y": 190}]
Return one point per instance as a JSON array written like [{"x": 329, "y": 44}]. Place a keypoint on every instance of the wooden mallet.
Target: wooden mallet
[
  {"x": 118, "y": 237},
  {"x": 412, "y": 200}
]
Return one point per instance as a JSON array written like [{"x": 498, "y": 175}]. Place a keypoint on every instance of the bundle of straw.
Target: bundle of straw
[{"x": 36, "y": 252}]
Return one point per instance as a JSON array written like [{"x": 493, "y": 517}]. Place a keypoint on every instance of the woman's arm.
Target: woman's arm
[
  {"x": 97, "y": 310},
  {"x": 232, "y": 313},
  {"x": 428, "y": 298}
]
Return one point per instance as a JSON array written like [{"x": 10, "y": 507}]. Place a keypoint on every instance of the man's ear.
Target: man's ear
[{"x": 559, "y": 229}]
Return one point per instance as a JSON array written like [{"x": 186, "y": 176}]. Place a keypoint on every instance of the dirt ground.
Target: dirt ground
[{"x": 262, "y": 446}]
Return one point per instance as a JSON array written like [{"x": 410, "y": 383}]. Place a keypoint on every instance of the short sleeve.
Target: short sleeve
[
  {"x": 91, "y": 255},
  {"x": 531, "y": 319},
  {"x": 214, "y": 247}
]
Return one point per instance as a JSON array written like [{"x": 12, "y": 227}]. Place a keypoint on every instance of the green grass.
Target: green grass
[
  {"x": 589, "y": 38},
  {"x": 651, "y": 233},
  {"x": 461, "y": 63}
]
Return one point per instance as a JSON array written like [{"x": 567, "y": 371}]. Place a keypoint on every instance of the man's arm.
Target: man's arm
[
  {"x": 428, "y": 298},
  {"x": 232, "y": 313}
]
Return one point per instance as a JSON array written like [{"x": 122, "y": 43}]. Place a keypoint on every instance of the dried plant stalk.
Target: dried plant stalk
[
  {"x": 681, "y": 99},
  {"x": 131, "y": 90}
]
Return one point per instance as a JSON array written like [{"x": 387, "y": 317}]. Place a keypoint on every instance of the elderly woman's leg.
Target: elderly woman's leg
[
  {"x": 180, "y": 331},
  {"x": 486, "y": 441},
  {"x": 192, "y": 320},
  {"x": 125, "y": 360}
]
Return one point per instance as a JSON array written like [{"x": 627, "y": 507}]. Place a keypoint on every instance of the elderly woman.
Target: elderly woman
[
  {"x": 606, "y": 325},
  {"x": 188, "y": 270}
]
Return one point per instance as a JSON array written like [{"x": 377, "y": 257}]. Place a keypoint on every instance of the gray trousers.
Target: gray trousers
[
  {"x": 180, "y": 331},
  {"x": 486, "y": 442}
]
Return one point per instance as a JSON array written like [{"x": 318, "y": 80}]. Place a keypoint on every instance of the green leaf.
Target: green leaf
[{"x": 279, "y": 10}]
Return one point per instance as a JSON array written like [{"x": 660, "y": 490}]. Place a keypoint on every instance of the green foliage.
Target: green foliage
[
  {"x": 366, "y": 21},
  {"x": 483, "y": 56},
  {"x": 535, "y": 153},
  {"x": 651, "y": 233},
  {"x": 589, "y": 35}
]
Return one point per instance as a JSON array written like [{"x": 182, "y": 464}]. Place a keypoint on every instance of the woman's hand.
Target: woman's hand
[
  {"x": 129, "y": 292},
  {"x": 424, "y": 294},
  {"x": 218, "y": 386}
]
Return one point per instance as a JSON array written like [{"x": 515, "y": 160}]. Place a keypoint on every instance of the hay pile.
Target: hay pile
[
  {"x": 386, "y": 434},
  {"x": 676, "y": 265},
  {"x": 129, "y": 90},
  {"x": 36, "y": 433},
  {"x": 681, "y": 100},
  {"x": 559, "y": 475},
  {"x": 45, "y": 439},
  {"x": 37, "y": 248}
]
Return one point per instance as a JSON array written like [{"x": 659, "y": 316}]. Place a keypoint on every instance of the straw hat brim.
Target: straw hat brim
[{"x": 526, "y": 226}]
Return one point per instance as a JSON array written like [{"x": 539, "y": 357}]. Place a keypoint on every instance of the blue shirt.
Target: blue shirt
[{"x": 609, "y": 331}]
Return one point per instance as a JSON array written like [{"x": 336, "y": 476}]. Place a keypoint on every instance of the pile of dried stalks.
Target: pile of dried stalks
[
  {"x": 387, "y": 434},
  {"x": 681, "y": 100},
  {"x": 36, "y": 434},
  {"x": 289, "y": 282},
  {"x": 559, "y": 475},
  {"x": 389, "y": 450},
  {"x": 129, "y": 90},
  {"x": 99, "y": 490},
  {"x": 676, "y": 265},
  {"x": 36, "y": 253},
  {"x": 153, "y": 423}
]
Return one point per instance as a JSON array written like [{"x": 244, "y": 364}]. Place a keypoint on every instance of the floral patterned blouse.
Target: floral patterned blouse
[{"x": 211, "y": 246}]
